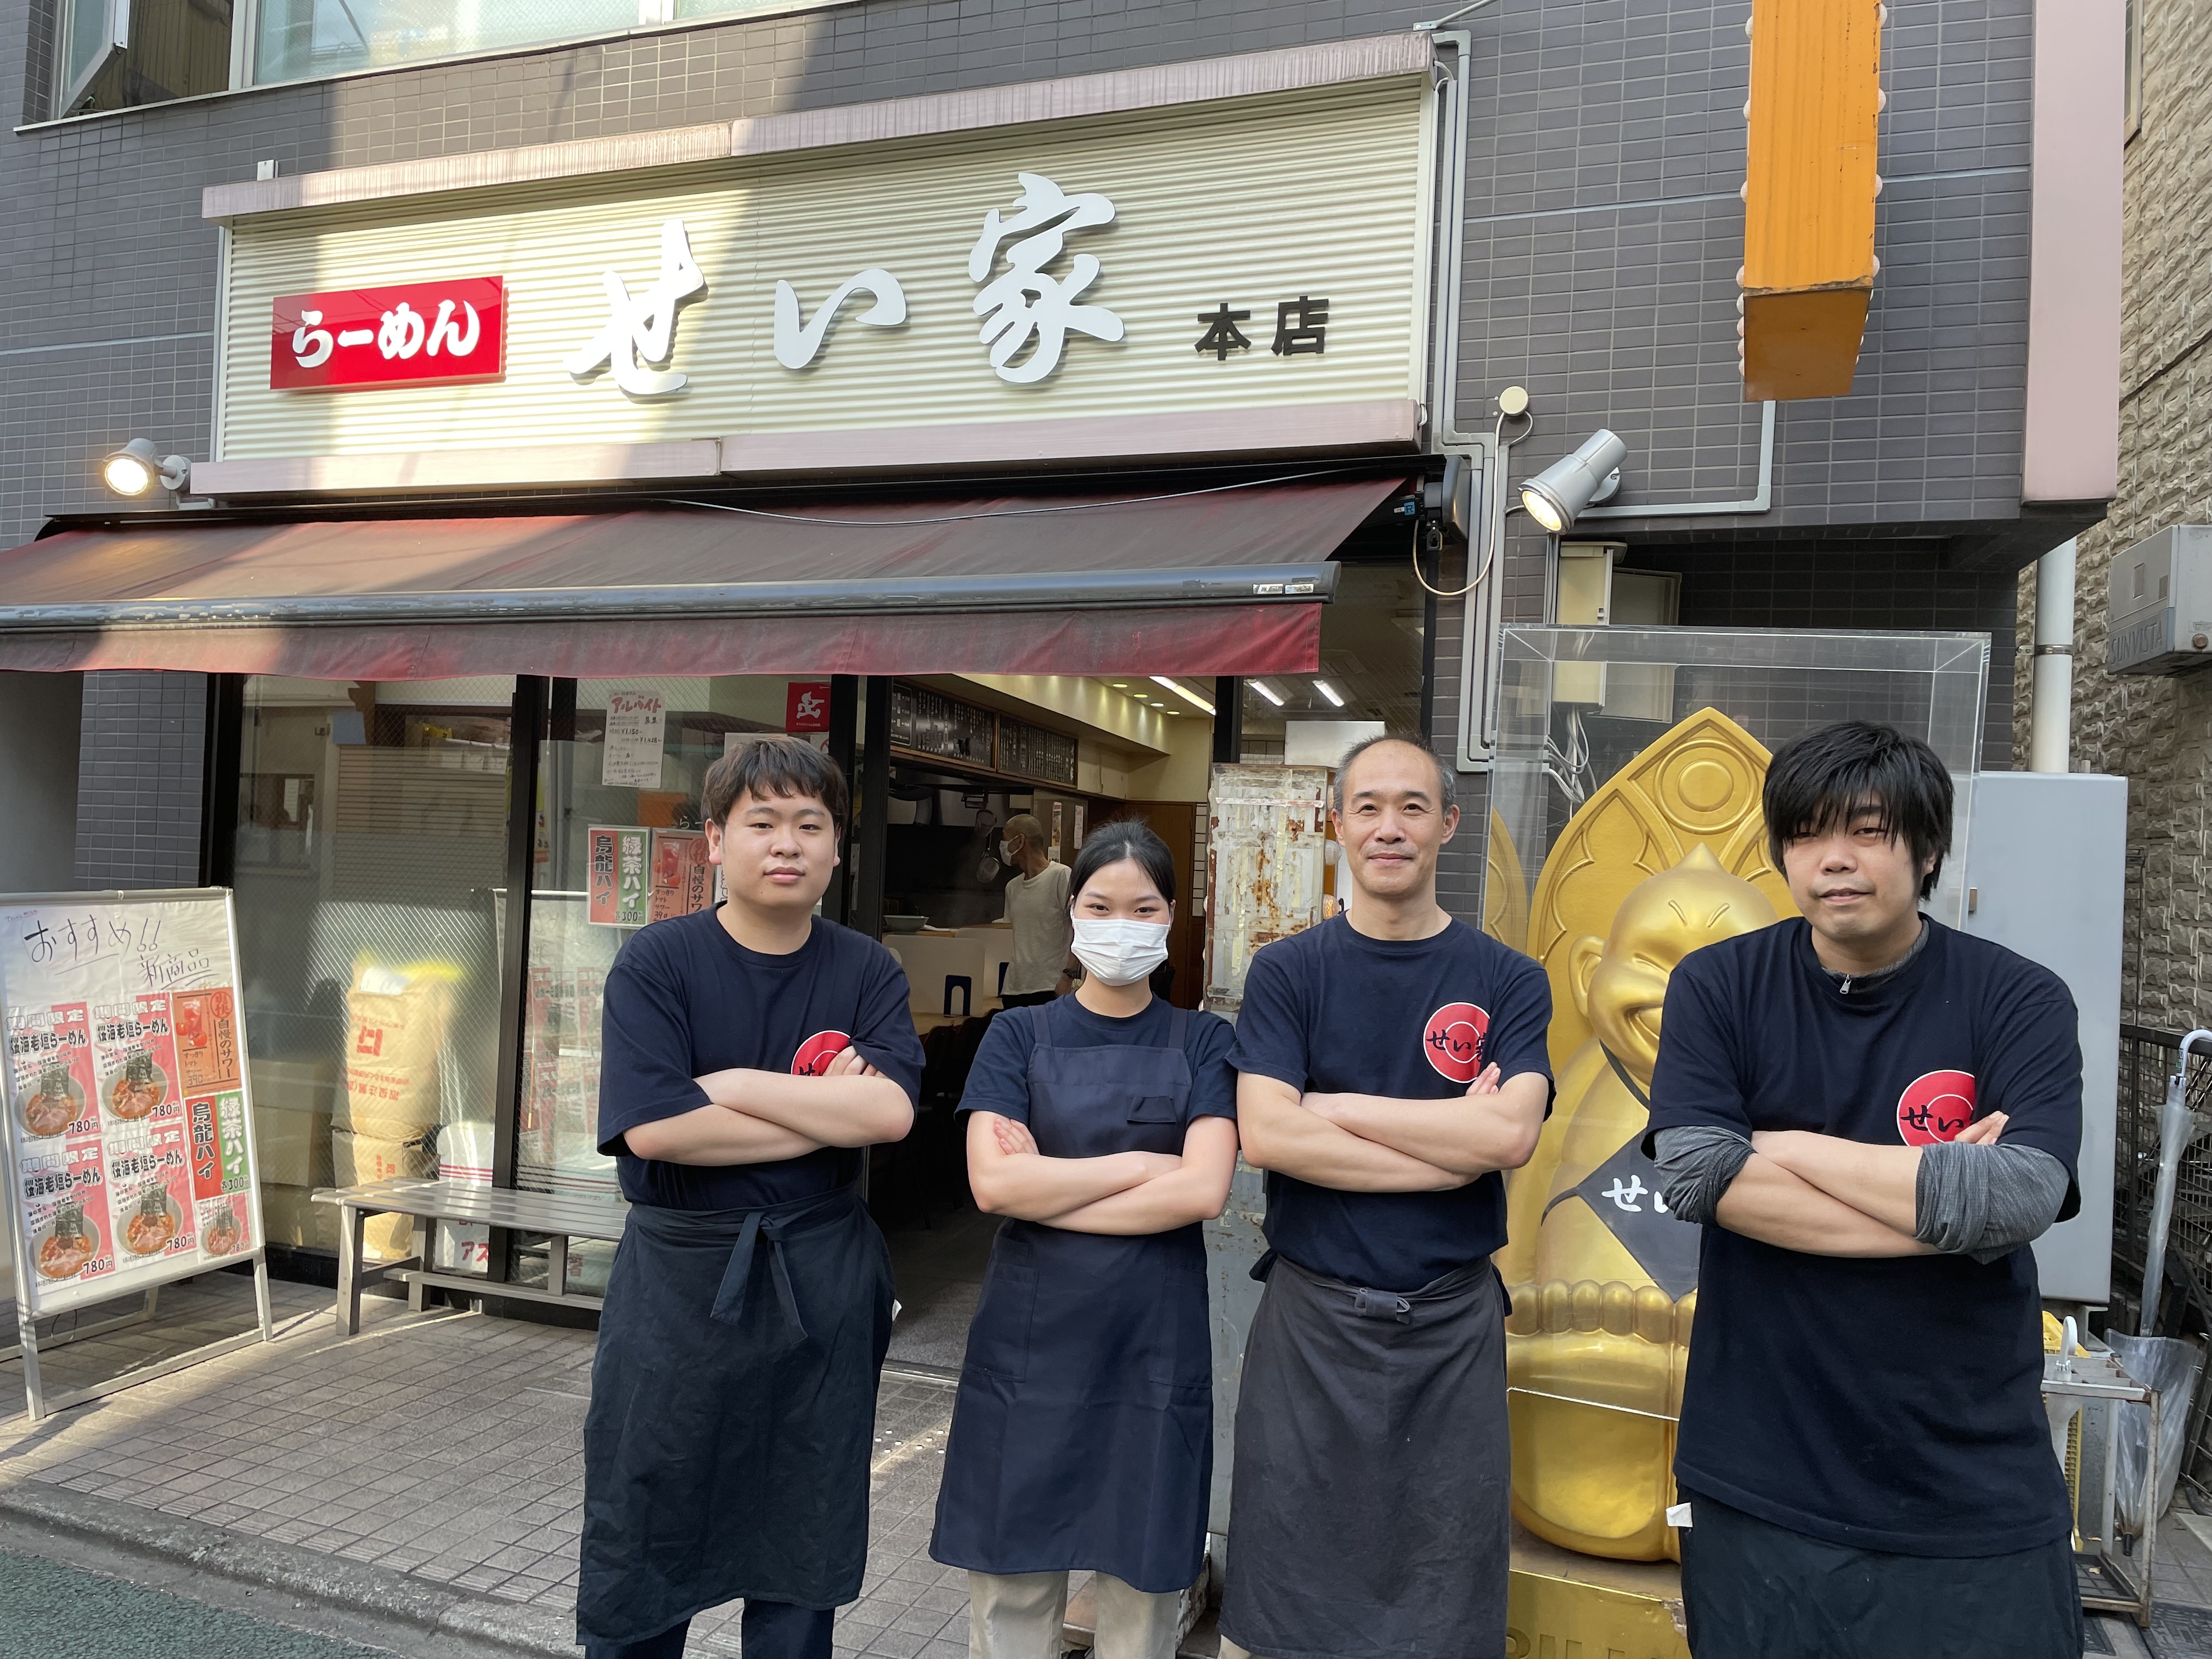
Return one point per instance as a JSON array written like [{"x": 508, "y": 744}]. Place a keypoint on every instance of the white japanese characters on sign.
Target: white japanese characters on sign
[
  {"x": 1025, "y": 304},
  {"x": 640, "y": 332},
  {"x": 796, "y": 346}
]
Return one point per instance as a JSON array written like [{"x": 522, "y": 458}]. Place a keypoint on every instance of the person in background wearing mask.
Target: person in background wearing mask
[
  {"x": 1036, "y": 905},
  {"x": 1392, "y": 1062},
  {"x": 1103, "y": 1128}
]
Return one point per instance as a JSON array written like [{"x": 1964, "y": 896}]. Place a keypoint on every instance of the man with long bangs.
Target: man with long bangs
[
  {"x": 752, "y": 1054},
  {"x": 1873, "y": 1116}
]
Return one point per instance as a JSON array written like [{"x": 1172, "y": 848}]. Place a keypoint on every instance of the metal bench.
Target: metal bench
[{"x": 556, "y": 1217}]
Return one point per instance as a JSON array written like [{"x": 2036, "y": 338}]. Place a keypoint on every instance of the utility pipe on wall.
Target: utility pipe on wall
[{"x": 2051, "y": 709}]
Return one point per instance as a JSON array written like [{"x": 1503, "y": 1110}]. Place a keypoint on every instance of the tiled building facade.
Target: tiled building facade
[{"x": 1602, "y": 232}]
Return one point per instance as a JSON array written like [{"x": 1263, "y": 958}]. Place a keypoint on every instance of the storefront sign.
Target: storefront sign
[
  {"x": 636, "y": 730},
  {"x": 806, "y": 706},
  {"x": 615, "y": 863},
  {"x": 129, "y": 1150},
  {"x": 1253, "y": 251},
  {"x": 411, "y": 334}
]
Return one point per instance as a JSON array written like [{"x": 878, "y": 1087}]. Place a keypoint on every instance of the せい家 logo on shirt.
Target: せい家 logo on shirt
[
  {"x": 1934, "y": 1106},
  {"x": 815, "y": 1053},
  {"x": 1453, "y": 1040}
]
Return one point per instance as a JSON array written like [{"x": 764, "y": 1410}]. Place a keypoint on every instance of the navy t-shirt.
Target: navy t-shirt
[
  {"x": 1890, "y": 1404},
  {"x": 684, "y": 998},
  {"x": 999, "y": 1080},
  {"x": 1330, "y": 1010}
]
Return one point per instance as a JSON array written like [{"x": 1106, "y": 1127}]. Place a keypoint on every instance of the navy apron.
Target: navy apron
[
  {"x": 734, "y": 1403},
  {"x": 1369, "y": 1515},
  {"x": 1083, "y": 1433}
]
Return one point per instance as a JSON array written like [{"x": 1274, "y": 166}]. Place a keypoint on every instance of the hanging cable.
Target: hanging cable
[
  {"x": 1016, "y": 512},
  {"x": 1500, "y": 444}
]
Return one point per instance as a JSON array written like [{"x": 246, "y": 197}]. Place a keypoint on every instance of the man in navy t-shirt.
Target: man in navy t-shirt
[
  {"x": 1872, "y": 1116},
  {"x": 1392, "y": 1062},
  {"x": 751, "y": 1054}
]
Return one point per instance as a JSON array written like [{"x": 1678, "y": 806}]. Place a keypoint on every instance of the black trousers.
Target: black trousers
[
  {"x": 770, "y": 1629},
  {"x": 1755, "y": 1590}
]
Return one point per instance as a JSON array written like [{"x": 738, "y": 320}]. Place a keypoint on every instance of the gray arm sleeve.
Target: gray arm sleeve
[
  {"x": 1695, "y": 1167},
  {"x": 1985, "y": 1201}
]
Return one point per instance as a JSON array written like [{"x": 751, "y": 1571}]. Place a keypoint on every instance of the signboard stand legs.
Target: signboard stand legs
[
  {"x": 34, "y": 1392},
  {"x": 127, "y": 1133}
]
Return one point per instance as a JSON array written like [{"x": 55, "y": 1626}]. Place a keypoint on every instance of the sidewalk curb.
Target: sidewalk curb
[{"x": 298, "y": 1572}]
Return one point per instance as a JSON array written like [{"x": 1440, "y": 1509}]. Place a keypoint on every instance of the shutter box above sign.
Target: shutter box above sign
[
  {"x": 943, "y": 298},
  {"x": 414, "y": 334}
]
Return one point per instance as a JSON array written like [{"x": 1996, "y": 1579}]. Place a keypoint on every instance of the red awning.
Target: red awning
[{"x": 1227, "y": 581}]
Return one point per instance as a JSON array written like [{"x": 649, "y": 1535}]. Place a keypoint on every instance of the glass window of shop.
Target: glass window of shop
[
  {"x": 1372, "y": 670},
  {"x": 295, "y": 39},
  {"x": 370, "y": 854}
]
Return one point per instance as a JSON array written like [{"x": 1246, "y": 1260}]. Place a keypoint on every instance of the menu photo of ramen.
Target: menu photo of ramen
[
  {"x": 224, "y": 1229},
  {"x": 153, "y": 1220},
  {"x": 67, "y": 1222},
  {"x": 54, "y": 1100}
]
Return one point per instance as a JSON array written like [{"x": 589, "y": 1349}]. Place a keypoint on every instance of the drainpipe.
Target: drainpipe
[{"x": 2051, "y": 709}]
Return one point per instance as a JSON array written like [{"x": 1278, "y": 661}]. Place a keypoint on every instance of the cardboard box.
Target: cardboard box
[
  {"x": 293, "y": 1145},
  {"x": 294, "y": 1220}
]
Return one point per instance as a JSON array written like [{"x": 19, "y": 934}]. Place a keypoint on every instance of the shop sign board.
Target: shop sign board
[
  {"x": 615, "y": 861},
  {"x": 806, "y": 706},
  {"x": 1233, "y": 255},
  {"x": 408, "y": 333},
  {"x": 127, "y": 1145}
]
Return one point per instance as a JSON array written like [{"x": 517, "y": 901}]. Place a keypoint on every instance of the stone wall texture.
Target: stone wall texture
[{"x": 2157, "y": 732}]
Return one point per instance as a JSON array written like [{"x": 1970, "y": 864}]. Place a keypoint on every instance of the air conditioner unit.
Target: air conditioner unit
[{"x": 2158, "y": 609}]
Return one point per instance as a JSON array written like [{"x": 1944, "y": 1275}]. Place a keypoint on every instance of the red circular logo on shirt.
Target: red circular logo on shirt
[
  {"x": 1936, "y": 1106},
  {"x": 1453, "y": 1041},
  {"x": 815, "y": 1053}
]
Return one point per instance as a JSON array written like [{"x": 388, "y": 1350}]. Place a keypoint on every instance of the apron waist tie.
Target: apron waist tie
[
  {"x": 730, "y": 1299},
  {"x": 1382, "y": 1304}
]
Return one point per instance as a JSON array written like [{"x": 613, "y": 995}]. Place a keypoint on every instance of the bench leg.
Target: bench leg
[
  {"x": 351, "y": 1222},
  {"x": 419, "y": 1293},
  {"x": 556, "y": 1264}
]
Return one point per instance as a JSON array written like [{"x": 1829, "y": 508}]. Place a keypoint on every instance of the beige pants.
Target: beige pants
[{"x": 1019, "y": 1616}]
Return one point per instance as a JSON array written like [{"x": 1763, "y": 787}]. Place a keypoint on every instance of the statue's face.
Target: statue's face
[{"x": 1661, "y": 921}]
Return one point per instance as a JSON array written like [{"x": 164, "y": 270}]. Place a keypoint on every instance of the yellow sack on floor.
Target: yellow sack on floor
[
  {"x": 396, "y": 1023},
  {"x": 360, "y": 1160}
]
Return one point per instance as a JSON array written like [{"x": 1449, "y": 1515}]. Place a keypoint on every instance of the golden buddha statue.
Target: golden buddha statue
[{"x": 1668, "y": 856}]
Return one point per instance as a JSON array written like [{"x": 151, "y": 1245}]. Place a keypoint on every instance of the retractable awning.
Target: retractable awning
[{"x": 1226, "y": 581}]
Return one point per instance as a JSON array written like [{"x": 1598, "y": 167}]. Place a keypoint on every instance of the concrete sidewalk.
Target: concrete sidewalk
[
  {"x": 432, "y": 1467},
  {"x": 431, "y": 1472}
]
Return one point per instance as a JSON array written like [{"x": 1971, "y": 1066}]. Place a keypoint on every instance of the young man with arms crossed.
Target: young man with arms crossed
[
  {"x": 1392, "y": 1063},
  {"x": 1872, "y": 1116},
  {"x": 752, "y": 1054}
]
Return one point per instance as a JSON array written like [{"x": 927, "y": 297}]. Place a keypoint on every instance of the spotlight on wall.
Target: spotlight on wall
[
  {"x": 134, "y": 469},
  {"x": 1267, "y": 691},
  {"x": 1329, "y": 691},
  {"x": 1555, "y": 497}
]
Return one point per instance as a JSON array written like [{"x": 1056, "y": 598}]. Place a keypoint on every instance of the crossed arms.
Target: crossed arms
[
  {"x": 754, "y": 1116},
  {"x": 1376, "y": 1144},
  {"x": 1121, "y": 1192}
]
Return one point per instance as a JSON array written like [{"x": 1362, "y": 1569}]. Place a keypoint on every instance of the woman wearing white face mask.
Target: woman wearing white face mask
[{"x": 1103, "y": 1127}]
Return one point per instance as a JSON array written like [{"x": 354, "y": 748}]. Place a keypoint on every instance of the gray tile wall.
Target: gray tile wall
[{"x": 139, "y": 778}]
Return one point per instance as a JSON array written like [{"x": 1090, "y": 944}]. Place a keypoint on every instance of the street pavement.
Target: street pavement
[
  {"x": 53, "y": 1610},
  {"x": 418, "y": 1491}
]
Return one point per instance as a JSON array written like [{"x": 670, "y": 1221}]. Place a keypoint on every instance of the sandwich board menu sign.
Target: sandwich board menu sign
[{"x": 129, "y": 1142}]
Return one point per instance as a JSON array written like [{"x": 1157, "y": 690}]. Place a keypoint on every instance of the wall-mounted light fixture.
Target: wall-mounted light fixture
[
  {"x": 134, "y": 470},
  {"x": 1557, "y": 496}
]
